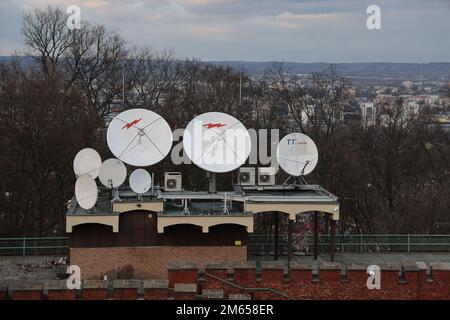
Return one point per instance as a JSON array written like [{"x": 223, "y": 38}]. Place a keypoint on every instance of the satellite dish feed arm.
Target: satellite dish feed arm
[{"x": 304, "y": 167}]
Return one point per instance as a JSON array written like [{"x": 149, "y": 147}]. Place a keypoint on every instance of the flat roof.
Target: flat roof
[{"x": 259, "y": 194}]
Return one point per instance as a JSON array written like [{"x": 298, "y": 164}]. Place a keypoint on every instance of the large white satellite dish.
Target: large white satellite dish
[
  {"x": 139, "y": 137},
  {"x": 112, "y": 173},
  {"x": 87, "y": 161},
  {"x": 297, "y": 154},
  {"x": 216, "y": 142},
  {"x": 86, "y": 191},
  {"x": 140, "y": 181}
]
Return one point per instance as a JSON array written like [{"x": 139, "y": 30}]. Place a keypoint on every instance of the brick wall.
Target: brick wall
[
  {"x": 409, "y": 281},
  {"x": 146, "y": 262},
  {"x": 406, "y": 281},
  {"x": 133, "y": 289}
]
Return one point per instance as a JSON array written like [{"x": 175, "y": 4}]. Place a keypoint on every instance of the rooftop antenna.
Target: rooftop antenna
[
  {"x": 225, "y": 204},
  {"x": 112, "y": 175},
  {"x": 123, "y": 83},
  {"x": 153, "y": 183},
  {"x": 240, "y": 88},
  {"x": 212, "y": 185},
  {"x": 139, "y": 137},
  {"x": 186, "y": 209},
  {"x": 216, "y": 142},
  {"x": 297, "y": 155}
]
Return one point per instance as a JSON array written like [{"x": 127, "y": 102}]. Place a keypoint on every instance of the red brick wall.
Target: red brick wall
[
  {"x": 184, "y": 296},
  {"x": 61, "y": 295},
  {"x": 148, "y": 262},
  {"x": 27, "y": 295},
  {"x": 329, "y": 283},
  {"x": 94, "y": 294},
  {"x": 155, "y": 294},
  {"x": 188, "y": 275},
  {"x": 125, "y": 294}
]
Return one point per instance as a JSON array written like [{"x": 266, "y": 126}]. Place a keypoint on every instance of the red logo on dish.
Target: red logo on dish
[
  {"x": 213, "y": 125},
  {"x": 132, "y": 123}
]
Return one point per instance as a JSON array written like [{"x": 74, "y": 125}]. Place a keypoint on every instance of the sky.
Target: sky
[{"x": 261, "y": 30}]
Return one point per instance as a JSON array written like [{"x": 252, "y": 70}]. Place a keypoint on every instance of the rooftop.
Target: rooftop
[{"x": 205, "y": 203}]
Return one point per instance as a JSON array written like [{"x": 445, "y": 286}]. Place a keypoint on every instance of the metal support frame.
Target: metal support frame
[
  {"x": 290, "y": 227},
  {"x": 316, "y": 234},
  {"x": 300, "y": 180},
  {"x": 276, "y": 235},
  {"x": 333, "y": 239},
  {"x": 212, "y": 182}
]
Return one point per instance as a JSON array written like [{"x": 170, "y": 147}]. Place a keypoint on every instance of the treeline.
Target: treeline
[{"x": 392, "y": 177}]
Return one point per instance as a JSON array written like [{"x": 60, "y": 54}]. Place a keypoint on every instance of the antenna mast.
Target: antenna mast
[{"x": 240, "y": 88}]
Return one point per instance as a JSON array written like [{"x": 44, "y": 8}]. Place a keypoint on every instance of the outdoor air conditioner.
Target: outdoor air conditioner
[
  {"x": 266, "y": 176},
  {"x": 172, "y": 181},
  {"x": 247, "y": 176}
]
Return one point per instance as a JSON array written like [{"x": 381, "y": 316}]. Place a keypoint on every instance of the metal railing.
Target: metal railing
[
  {"x": 34, "y": 246},
  {"x": 263, "y": 244},
  {"x": 245, "y": 289}
]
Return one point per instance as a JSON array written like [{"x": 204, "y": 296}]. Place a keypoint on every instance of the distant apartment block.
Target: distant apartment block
[{"x": 368, "y": 114}]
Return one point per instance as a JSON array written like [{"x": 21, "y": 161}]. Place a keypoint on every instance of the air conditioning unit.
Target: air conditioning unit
[
  {"x": 266, "y": 176},
  {"x": 247, "y": 176},
  {"x": 172, "y": 181}
]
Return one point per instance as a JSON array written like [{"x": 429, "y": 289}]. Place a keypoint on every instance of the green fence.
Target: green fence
[
  {"x": 264, "y": 244},
  {"x": 34, "y": 246}
]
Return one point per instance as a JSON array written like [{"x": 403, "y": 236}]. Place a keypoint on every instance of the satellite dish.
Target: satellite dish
[
  {"x": 112, "y": 173},
  {"x": 140, "y": 181},
  {"x": 216, "y": 142},
  {"x": 297, "y": 154},
  {"x": 86, "y": 191},
  {"x": 87, "y": 161},
  {"x": 139, "y": 137}
]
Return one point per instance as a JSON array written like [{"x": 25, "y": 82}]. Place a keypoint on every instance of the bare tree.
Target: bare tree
[
  {"x": 92, "y": 57},
  {"x": 95, "y": 62},
  {"x": 41, "y": 127},
  {"x": 46, "y": 36},
  {"x": 316, "y": 108},
  {"x": 152, "y": 75}
]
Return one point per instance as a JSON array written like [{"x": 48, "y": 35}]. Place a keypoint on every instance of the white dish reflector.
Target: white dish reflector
[
  {"x": 140, "y": 181},
  {"x": 216, "y": 142},
  {"x": 112, "y": 173},
  {"x": 297, "y": 154},
  {"x": 87, "y": 161},
  {"x": 139, "y": 137},
  {"x": 86, "y": 191}
]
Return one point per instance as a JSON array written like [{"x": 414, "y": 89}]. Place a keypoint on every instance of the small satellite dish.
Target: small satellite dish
[
  {"x": 86, "y": 191},
  {"x": 112, "y": 173},
  {"x": 297, "y": 154},
  {"x": 216, "y": 142},
  {"x": 139, "y": 137},
  {"x": 140, "y": 181},
  {"x": 87, "y": 161}
]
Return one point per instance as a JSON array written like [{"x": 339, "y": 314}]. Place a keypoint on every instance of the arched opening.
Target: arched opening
[
  {"x": 137, "y": 228},
  {"x": 229, "y": 234},
  {"x": 183, "y": 235},
  {"x": 269, "y": 239},
  {"x": 276, "y": 236},
  {"x": 91, "y": 235}
]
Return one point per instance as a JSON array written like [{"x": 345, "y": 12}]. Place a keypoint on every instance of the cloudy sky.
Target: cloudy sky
[{"x": 262, "y": 30}]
